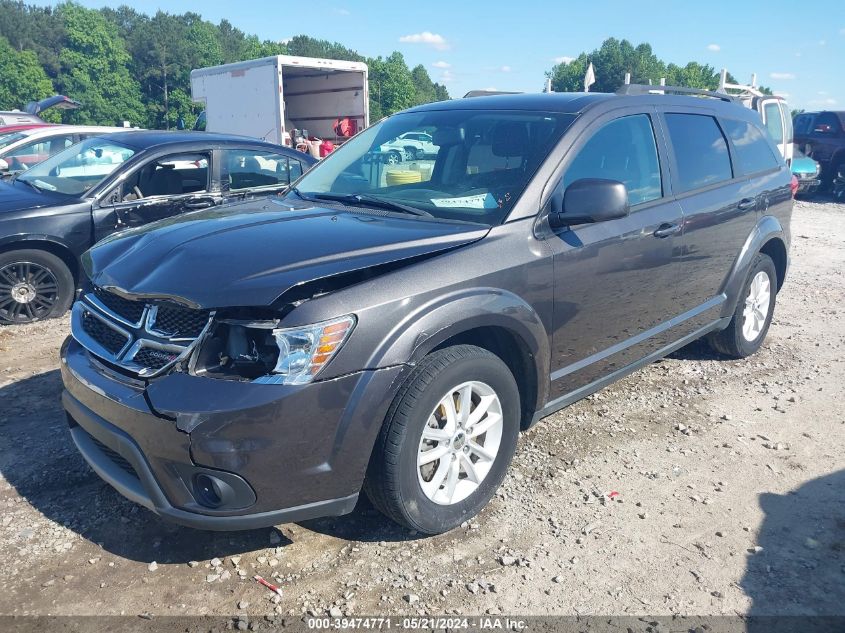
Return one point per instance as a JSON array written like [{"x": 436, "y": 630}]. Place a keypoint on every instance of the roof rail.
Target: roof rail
[{"x": 642, "y": 89}]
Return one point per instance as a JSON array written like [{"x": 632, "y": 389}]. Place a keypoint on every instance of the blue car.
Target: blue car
[{"x": 806, "y": 170}]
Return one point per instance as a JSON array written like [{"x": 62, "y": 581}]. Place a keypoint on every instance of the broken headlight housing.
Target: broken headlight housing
[{"x": 263, "y": 352}]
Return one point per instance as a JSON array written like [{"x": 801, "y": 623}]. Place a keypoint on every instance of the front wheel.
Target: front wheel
[
  {"x": 753, "y": 315},
  {"x": 447, "y": 441},
  {"x": 34, "y": 285}
]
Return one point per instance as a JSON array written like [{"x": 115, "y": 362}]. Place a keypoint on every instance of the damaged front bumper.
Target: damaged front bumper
[{"x": 269, "y": 453}]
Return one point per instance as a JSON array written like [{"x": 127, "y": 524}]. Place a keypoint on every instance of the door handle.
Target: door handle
[
  {"x": 666, "y": 229},
  {"x": 746, "y": 204},
  {"x": 198, "y": 204}
]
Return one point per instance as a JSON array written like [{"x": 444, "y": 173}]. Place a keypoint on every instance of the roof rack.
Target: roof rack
[{"x": 642, "y": 89}]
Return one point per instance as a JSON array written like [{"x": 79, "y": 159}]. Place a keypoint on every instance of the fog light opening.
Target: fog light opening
[{"x": 209, "y": 491}]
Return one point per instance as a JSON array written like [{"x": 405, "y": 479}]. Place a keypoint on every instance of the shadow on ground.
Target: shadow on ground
[
  {"x": 38, "y": 458},
  {"x": 801, "y": 569}
]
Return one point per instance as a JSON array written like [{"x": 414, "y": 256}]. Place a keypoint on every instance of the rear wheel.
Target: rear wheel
[
  {"x": 34, "y": 285},
  {"x": 447, "y": 441},
  {"x": 394, "y": 157},
  {"x": 753, "y": 315}
]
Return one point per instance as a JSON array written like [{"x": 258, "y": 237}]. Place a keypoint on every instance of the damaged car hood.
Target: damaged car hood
[{"x": 251, "y": 253}]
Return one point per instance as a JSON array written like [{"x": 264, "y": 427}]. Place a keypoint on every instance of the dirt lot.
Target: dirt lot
[{"x": 730, "y": 478}]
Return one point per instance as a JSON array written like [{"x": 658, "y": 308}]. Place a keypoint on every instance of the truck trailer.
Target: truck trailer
[{"x": 270, "y": 97}]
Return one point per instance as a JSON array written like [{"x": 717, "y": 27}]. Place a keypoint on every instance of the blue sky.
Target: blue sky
[{"x": 468, "y": 44}]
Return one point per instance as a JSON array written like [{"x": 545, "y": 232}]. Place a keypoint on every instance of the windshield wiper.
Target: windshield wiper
[
  {"x": 28, "y": 182},
  {"x": 372, "y": 201}
]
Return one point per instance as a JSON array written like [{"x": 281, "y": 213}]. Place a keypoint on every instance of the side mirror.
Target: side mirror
[
  {"x": 4, "y": 165},
  {"x": 591, "y": 200}
]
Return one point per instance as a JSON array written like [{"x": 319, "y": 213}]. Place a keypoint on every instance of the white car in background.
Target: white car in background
[
  {"x": 409, "y": 146},
  {"x": 22, "y": 149}
]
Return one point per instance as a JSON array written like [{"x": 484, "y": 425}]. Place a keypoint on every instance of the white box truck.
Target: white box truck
[{"x": 267, "y": 98}]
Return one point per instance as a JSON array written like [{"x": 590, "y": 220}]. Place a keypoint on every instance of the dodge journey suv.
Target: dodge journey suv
[{"x": 392, "y": 327}]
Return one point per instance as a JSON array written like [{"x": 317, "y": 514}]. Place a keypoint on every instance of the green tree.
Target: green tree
[
  {"x": 305, "y": 46},
  {"x": 611, "y": 61},
  {"x": 424, "y": 90},
  {"x": 33, "y": 28},
  {"x": 95, "y": 70},
  {"x": 391, "y": 85},
  {"x": 22, "y": 79},
  {"x": 693, "y": 75}
]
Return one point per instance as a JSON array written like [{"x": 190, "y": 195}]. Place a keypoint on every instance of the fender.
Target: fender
[
  {"x": 767, "y": 227},
  {"x": 436, "y": 321},
  {"x": 7, "y": 240}
]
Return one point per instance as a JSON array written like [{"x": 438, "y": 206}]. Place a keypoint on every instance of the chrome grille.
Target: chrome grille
[
  {"x": 109, "y": 338},
  {"x": 146, "y": 341}
]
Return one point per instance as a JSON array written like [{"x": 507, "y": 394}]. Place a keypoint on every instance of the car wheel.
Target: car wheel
[
  {"x": 34, "y": 285},
  {"x": 753, "y": 315},
  {"x": 411, "y": 153},
  {"x": 447, "y": 441},
  {"x": 394, "y": 157}
]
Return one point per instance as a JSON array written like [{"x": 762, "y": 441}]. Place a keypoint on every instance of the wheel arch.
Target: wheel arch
[
  {"x": 492, "y": 319},
  {"x": 46, "y": 244},
  {"x": 768, "y": 237}
]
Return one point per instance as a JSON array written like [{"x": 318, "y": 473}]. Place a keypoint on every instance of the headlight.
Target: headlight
[{"x": 262, "y": 352}]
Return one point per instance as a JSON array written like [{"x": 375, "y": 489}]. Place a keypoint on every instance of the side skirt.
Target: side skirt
[{"x": 582, "y": 392}]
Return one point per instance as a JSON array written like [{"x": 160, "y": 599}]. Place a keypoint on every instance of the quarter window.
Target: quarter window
[
  {"x": 622, "y": 150},
  {"x": 753, "y": 151},
  {"x": 701, "y": 151}
]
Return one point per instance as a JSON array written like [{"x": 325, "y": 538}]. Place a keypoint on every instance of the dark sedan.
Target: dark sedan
[{"x": 55, "y": 211}]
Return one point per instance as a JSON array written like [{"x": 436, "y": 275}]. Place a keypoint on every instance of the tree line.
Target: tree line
[
  {"x": 124, "y": 65},
  {"x": 614, "y": 58}
]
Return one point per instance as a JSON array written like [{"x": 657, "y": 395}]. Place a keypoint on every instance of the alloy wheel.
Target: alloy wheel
[
  {"x": 28, "y": 291},
  {"x": 459, "y": 443},
  {"x": 756, "y": 306}
]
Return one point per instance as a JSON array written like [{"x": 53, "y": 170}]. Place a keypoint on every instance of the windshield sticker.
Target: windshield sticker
[{"x": 479, "y": 201}]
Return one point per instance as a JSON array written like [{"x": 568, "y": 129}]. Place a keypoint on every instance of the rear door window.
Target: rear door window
[
  {"x": 701, "y": 151},
  {"x": 622, "y": 150},
  {"x": 753, "y": 151}
]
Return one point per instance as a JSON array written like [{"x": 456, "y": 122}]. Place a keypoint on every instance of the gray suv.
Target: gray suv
[{"x": 392, "y": 328}]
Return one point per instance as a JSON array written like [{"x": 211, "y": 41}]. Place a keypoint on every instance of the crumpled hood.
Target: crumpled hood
[
  {"x": 250, "y": 253},
  {"x": 20, "y": 197}
]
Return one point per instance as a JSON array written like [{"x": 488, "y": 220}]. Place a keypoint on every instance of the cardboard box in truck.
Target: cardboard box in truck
[{"x": 267, "y": 98}]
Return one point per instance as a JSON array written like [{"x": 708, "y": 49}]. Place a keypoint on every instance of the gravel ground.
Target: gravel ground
[{"x": 698, "y": 485}]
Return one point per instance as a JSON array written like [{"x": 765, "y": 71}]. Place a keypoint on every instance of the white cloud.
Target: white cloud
[
  {"x": 798, "y": 54},
  {"x": 442, "y": 65},
  {"x": 505, "y": 69},
  {"x": 342, "y": 11},
  {"x": 426, "y": 37},
  {"x": 824, "y": 102},
  {"x": 287, "y": 40},
  {"x": 563, "y": 60},
  {"x": 714, "y": 47},
  {"x": 822, "y": 42},
  {"x": 782, "y": 75},
  {"x": 785, "y": 95},
  {"x": 823, "y": 93},
  {"x": 841, "y": 31},
  {"x": 447, "y": 76}
]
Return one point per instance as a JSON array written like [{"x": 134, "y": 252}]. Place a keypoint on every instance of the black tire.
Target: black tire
[
  {"x": 28, "y": 271},
  {"x": 394, "y": 157},
  {"x": 731, "y": 340},
  {"x": 411, "y": 153},
  {"x": 392, "y": 482}
]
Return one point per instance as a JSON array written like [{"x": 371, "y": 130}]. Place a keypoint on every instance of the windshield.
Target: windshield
[
  {"x": 80, "y": 167},
  {"x": 10, "y": 137},
  {"x": 456, "y": 164}
]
